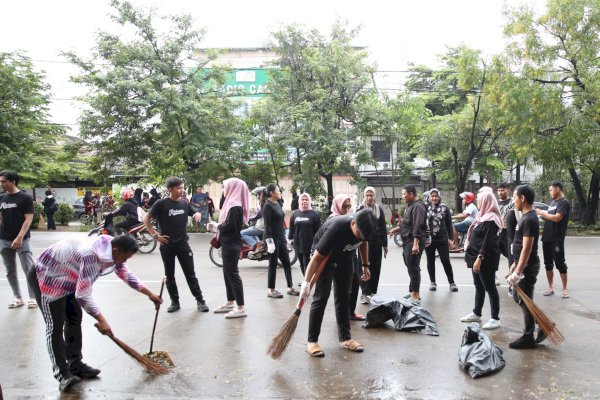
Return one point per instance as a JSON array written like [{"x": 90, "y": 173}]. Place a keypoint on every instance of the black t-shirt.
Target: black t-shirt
[
  {"x": 335, "y": 237},
  {"x": 556, "y": 231},
  {"x": 172, "y": 217},
  {"x": 229, "y": 231},
  {"x": 529, "y": 226},
  {"x": 303, "y": 227},
  {"x": 13, "y": 208},
  {"x": 484, "y": 241},
  {"x": 273, "y": 217}
]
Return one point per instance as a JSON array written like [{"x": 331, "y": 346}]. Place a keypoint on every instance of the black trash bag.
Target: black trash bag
[
  {"x": 382, "y": 308},
  {"x": 478, "y": 355},
  {"x": 413, "y": 318},
  {"x": 405, "y": 316}
]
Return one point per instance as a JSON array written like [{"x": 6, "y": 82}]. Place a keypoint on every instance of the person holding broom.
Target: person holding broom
[
  {"x": 62, "y": 279},
  {"x": 526, "y": 265},
  {"x": 338, "y": 237}
]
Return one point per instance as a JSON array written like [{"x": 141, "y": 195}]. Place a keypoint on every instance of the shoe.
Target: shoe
[
  {"x": 174, "y": 306},
  {"x": 408, "y": 297},
  {"x": 225, "y": 308},
  {"x": 433, "y": 286},
  {"x": 492, "y": 324},
  {"x": 471, "y": 318},
  {"x": 202, "y": 306},
  {"x": 453, "y": 287},
  {"x": 275, "y": 295},
  {"x": 357, "y": 317},
  {"x": 540, "y": 337},
  {"x": 524, "y": 342},
  {"x": 364, "y": 299},
  {"x": 510, "y": 291},
  {"x": 84, "y": 371},
  {"x": 67, "y": 382},
  {"x": 236, "y": 314},
  {"x": 415, "y": 302},
  {"x": 293, "y": 292},
  {"x": 548, "y": 292}
]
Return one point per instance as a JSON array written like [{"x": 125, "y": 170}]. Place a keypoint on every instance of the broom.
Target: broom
[
  {"x": 285, "y": 334},
  {"x": 546, "y": 325},
  {"x": 148, "y": 364}
]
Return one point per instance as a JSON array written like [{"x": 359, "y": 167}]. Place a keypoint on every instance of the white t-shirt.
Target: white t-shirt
[{"x": 472, "y": 210}]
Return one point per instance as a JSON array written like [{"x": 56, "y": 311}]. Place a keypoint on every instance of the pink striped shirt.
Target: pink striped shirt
[{"x": 72, "y": 266}]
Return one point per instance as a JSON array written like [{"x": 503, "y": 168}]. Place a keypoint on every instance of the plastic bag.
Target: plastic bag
[
  {"x": 478, "y": 355},
  {"x": 405, "y": 316}
]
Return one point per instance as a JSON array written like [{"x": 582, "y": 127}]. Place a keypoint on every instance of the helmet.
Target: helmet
[
  {"x": 366, "y": 222},
  {"x": 127, "y": 193},
  {"x": 468, "y": 197}
]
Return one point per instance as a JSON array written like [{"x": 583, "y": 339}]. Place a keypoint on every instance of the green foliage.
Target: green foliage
[
  {"x": 64, "y": 214},
  {"x": 38, "y": 211}
]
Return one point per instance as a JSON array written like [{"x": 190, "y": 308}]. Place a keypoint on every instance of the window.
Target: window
[{"x": 380, "y": 151}]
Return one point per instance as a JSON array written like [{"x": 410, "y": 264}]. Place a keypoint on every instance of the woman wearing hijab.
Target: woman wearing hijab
[
  {"x": 439, "y": 220},
  {"x": 304, "y": 224},
  {"x": 379, "y": 242},
  {"x": 232, "y": 217},
  {"x": 482, "y": 254}
]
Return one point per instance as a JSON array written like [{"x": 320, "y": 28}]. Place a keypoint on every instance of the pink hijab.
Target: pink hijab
[
  {"x": 309, "y": 207},
  {"x": 488, "y": 210},
  {"x": 237, "y": 196},
  {"x": 336, "y": 205}
]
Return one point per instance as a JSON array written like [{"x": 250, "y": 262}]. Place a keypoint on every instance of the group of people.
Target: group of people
[{"x": 345, "y": 252}]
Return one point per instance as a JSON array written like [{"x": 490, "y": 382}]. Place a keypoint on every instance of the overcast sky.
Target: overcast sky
[{"x": 395, "y": 32}]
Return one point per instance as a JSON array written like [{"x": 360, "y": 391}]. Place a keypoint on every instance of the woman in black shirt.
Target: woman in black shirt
[
  {"x": 232, "y": 217},
  {"x": 274, "y": 219},
  {"x": 483, "y": 256},
  {"x": 440, "y": 225},
  {"x": 304, "y": 224}
]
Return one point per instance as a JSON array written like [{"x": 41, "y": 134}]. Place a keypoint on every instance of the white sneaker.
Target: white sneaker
[
  {"x": 364, "y": 299},
  {"x": 471, "y": 318},
  {"x": 492, "y": 324}
]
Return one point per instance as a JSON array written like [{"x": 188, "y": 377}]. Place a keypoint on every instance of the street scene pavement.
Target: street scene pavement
[{"x": 217, "y": 358}]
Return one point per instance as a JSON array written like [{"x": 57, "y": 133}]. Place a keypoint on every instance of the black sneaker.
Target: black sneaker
[
  {"x": 202, "y": 306},
  {"x": 540, "y": 335},
  {"x": 174, "y": 306},
  {"x": 68, "y": 381},
  {"x": 84, "y": 371},
  {"x": 524, "y": 342}
]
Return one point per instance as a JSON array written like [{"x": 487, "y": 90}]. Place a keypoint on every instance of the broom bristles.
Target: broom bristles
[
  {"x": 283, "y": 337},
  {"x": 148, "y": 364},
  {"x": 547, "y": 326}
]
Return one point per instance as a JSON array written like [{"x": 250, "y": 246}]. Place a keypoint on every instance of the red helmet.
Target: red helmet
[
  {"x": 468, "y": 197},
  {"x": 127, "y": 193}
]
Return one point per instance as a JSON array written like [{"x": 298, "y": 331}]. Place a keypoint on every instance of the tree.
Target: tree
[
  {"x": 558, "y": 52},
  {"x": 151, "y": 109},
  {"x": 27, "y": 137}
]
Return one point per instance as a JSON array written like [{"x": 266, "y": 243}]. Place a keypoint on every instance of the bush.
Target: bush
[
  {"x": 64, "y": 214},
  {"x": 38, "y": 210}
]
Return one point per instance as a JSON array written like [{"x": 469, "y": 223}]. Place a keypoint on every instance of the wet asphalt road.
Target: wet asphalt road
[{"x": 217, "y": 358}]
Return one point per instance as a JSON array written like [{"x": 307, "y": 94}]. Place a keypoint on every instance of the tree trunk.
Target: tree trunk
[
  {"x": 518, "y": 175},
  {"x": 588, "y": 205}
]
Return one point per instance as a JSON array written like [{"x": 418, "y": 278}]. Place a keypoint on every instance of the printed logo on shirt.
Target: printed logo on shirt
[
  {"x": 175, "y": 212},
  {"x": 7, "y": 205},
  {"x": 351, "y": 247},
  {"x": 552, "y": 208},
  {"x": 302, "y": 219}
]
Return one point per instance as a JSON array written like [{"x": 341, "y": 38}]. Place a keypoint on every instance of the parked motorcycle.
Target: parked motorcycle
[
  {"x": 146, "y": 242},
  {"x": 217, "y": 258}
]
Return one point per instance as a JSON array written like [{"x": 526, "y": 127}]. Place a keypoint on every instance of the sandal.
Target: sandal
[
  {"x": 15, "y": 303},
  {"x": 31, "y": 304},
  {"x": 314, "y": 350},
  {"x": 565, "y": 294},
  {"x": 548, "y": 292},
  {"x": 352, "y": 345},
  {"x": 225, "y": 308}
]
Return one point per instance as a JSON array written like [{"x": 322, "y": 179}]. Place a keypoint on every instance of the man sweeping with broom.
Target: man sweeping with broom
[
  {"x": 526, "y": 264},
  {"x": 338, "y": 237},
  {"x": 62, "y": 280}
]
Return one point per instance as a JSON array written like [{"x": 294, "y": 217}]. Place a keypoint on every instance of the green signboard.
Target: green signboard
[{"x": 246, "y": 83}]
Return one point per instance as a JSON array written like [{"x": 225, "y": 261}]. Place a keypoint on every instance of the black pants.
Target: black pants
[
  {"x": 340, "y": 275},
  {"x": 63, "y": 328},
  {"x": 554, "y": 253},
  {"x": 50, "y": 220},
  {"x": 233, "y": 282},
  {"x": 375, "y": 255},
  {"x": 303, "y": 259},
  {"x": 185, "y": 256},
  {"x": 504, "y": 246},
  {"x": 528, "y": 286},
  {"x": 123, "y": 226},
  {"x": 442, "y": 248},
  {"x": 280, "y": 253},
  {"x": 412, "y": 262},
  {"x": 355, "y": 283},
  {"x": 485, "y": 281}
]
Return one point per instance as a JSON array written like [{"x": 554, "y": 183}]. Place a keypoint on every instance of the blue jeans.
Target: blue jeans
[
  {"x": 462, "y": 226},
  {"x": 251, "y": 235}
]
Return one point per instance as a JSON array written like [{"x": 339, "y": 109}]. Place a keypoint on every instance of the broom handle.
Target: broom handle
[
  {"x": 162, "y": 286},
  {"x": 314, "y": 279}
]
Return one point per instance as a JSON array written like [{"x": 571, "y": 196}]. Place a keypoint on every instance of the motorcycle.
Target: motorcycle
[
  {"x": 146, "y": 242},
  {"x": 217, "y": 258}
]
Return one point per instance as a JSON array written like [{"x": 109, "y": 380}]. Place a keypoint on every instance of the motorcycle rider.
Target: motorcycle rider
[
  {"x": 128, "y": 210},
  {"x": 466, "y": 217}
]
